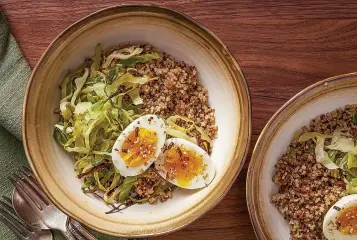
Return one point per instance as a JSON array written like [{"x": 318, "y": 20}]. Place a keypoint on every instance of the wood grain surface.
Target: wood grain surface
[{"x": 282, "y": 47}]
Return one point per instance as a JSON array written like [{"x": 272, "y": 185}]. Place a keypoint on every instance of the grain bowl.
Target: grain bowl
[
  {"x": 182, "y": 44},
  {"x": 300, "y": 172}
]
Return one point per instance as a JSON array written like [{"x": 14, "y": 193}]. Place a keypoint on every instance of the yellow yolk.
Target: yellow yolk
[
  {"x": 183, "y": 164},
  {"x": 139, "y": 147},
  {"x": 347, "y": 221}
]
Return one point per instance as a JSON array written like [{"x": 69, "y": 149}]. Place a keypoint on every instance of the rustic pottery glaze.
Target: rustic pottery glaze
[
  {"x": 315, "y": 100},
  {"x": 181, "y": 37}
]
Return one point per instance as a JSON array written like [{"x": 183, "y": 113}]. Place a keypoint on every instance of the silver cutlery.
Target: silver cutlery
[
  {"x": 25, "y": 212},
  {"x": 22, "y": 230},
  {"x": 38, "y": 204}
]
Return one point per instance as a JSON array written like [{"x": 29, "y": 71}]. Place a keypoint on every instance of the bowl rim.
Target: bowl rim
[
  {"x": 260, "y": 230},
  {"x": 149, "y": 8}
]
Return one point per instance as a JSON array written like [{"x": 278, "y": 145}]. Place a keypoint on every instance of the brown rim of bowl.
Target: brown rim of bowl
[
  {"x": 261, "y": 230},
  {"x": 200, "y": 30}
]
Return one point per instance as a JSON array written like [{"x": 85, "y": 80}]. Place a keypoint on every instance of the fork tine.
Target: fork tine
[
  {"x": 26, "y": 194},
  {"x": 12, "y": 228},
  {"x": 18, "y": 226},
  {"x": 23, "y": 173},
  {"x": 7, "y": 205},
  {"x": 31, "y": 182},
  {"x": 27, "y": 170}
]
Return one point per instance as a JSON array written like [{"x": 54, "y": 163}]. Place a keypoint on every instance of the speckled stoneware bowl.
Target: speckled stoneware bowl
[
  {"x": 179, "y": 36},
  {"x": 315, "y": 100}
]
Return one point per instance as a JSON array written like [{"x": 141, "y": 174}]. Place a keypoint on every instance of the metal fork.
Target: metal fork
[
  {"x": 51, "y": 216},
  {"x": 20, "y": 229}
]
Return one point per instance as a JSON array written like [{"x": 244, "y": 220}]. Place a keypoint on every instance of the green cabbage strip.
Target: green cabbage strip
[
  {"x": 79, "y": 84},
  {"x": 68, "y": 85},
  {"x": 135, "y": 96},
  {"x": 339, "y": 154},
  {"x": 66, "y": 109},
  {"x": 82, "y": 107},
  {"x": 180, "y": 134},
  {"x": 311, "y": 135},
  {"x": 128, "y": 185},
  {"x": 127, "y": 80},
  {"x": 130, "y": 62},
  {"x": 342, "y": 144},
  {"x": 96, "y": 61},
  {"x": 322, "y": 156},
  {"x": 187, "y": 131},
  {"x": 124, "y": 53}
]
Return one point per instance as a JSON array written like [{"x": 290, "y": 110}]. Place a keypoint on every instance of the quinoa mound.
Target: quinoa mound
[
  {"x": 176, "y": 91},
  {"x": 307, "y": 190}
]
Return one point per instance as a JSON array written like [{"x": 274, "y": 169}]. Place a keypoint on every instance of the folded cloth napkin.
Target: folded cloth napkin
[{"x": 14, "y": 72}]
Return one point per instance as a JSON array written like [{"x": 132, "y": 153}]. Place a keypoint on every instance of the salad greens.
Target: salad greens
[
  {"x": 183, "y": 127},
  {"x": 98, "y": 101},
  {"x": 336, "y": 152}
]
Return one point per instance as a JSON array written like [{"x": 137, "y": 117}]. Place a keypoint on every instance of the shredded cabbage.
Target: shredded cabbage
[
  {"x": 351, "y": 189},
  {"x": 79, "y": 83},
  {"x": 94, "y": 110},
  {"x": 124, "y": 53},
  {"x": 339, "y": 154},
  {"x": 96, "y": 61},
  {"x": 342, "y": 144},
  {"x": 351, "y": 160},
  {"x": 311, "y": 135},
  {"x": 98, "y": 101},
  {"x": 183, "y": 127},
  {"x": 82, "y": 107},
  {"x": 322, "y": 156},
  {"x": 137, "y": 59}
]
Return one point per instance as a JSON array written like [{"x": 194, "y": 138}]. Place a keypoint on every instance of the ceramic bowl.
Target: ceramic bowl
[
  {"x": 177, "y": 35},
  {"x": 315, "y": 100}
]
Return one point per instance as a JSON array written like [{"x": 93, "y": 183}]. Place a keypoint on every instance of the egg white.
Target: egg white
[
  {"x": 198, "y": 181},
  {"x": 330, "y": 229},
  {"x": 150, "y": 122}
]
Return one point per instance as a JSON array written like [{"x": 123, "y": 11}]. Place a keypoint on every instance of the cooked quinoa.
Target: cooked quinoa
[
  {"x": 159, "y": 85},
  {"x": 177, "y": 91},
  {"x": 174, "y": 90},
  {"x": 307, "y": 190},
  {"x": 145, "y": 187}
]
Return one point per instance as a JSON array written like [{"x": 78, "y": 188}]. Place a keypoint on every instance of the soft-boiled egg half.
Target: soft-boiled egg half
[
  {"x": 139, "y": 145},
  {"x": 340, "y": 221},
  {"x": 185, "y": 164}
]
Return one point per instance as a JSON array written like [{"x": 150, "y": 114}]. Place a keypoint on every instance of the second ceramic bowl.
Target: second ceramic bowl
[{"x": 317, "y": 99}]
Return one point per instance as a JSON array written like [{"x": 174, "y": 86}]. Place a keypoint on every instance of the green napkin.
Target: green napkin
[{"x": 14, "y": 72}]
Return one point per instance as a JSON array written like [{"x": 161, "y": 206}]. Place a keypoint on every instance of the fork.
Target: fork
[
  {"x": 20, "y": 229},
  {"x": 51, "y": 216}
]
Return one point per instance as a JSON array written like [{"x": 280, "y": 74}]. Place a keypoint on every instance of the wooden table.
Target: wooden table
[{"x": 282, "y": 48}]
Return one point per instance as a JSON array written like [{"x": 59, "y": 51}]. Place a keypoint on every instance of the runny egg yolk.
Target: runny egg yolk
[
  {"x": 347, "y": 221},
  {"x": 139, "y": 147},
  {"x": 182, "y": 164}
]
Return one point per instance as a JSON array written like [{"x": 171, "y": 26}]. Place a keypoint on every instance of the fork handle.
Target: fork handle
[
  {"x": 68, "y": 235},
  {"x": 81, "y": 230}
]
